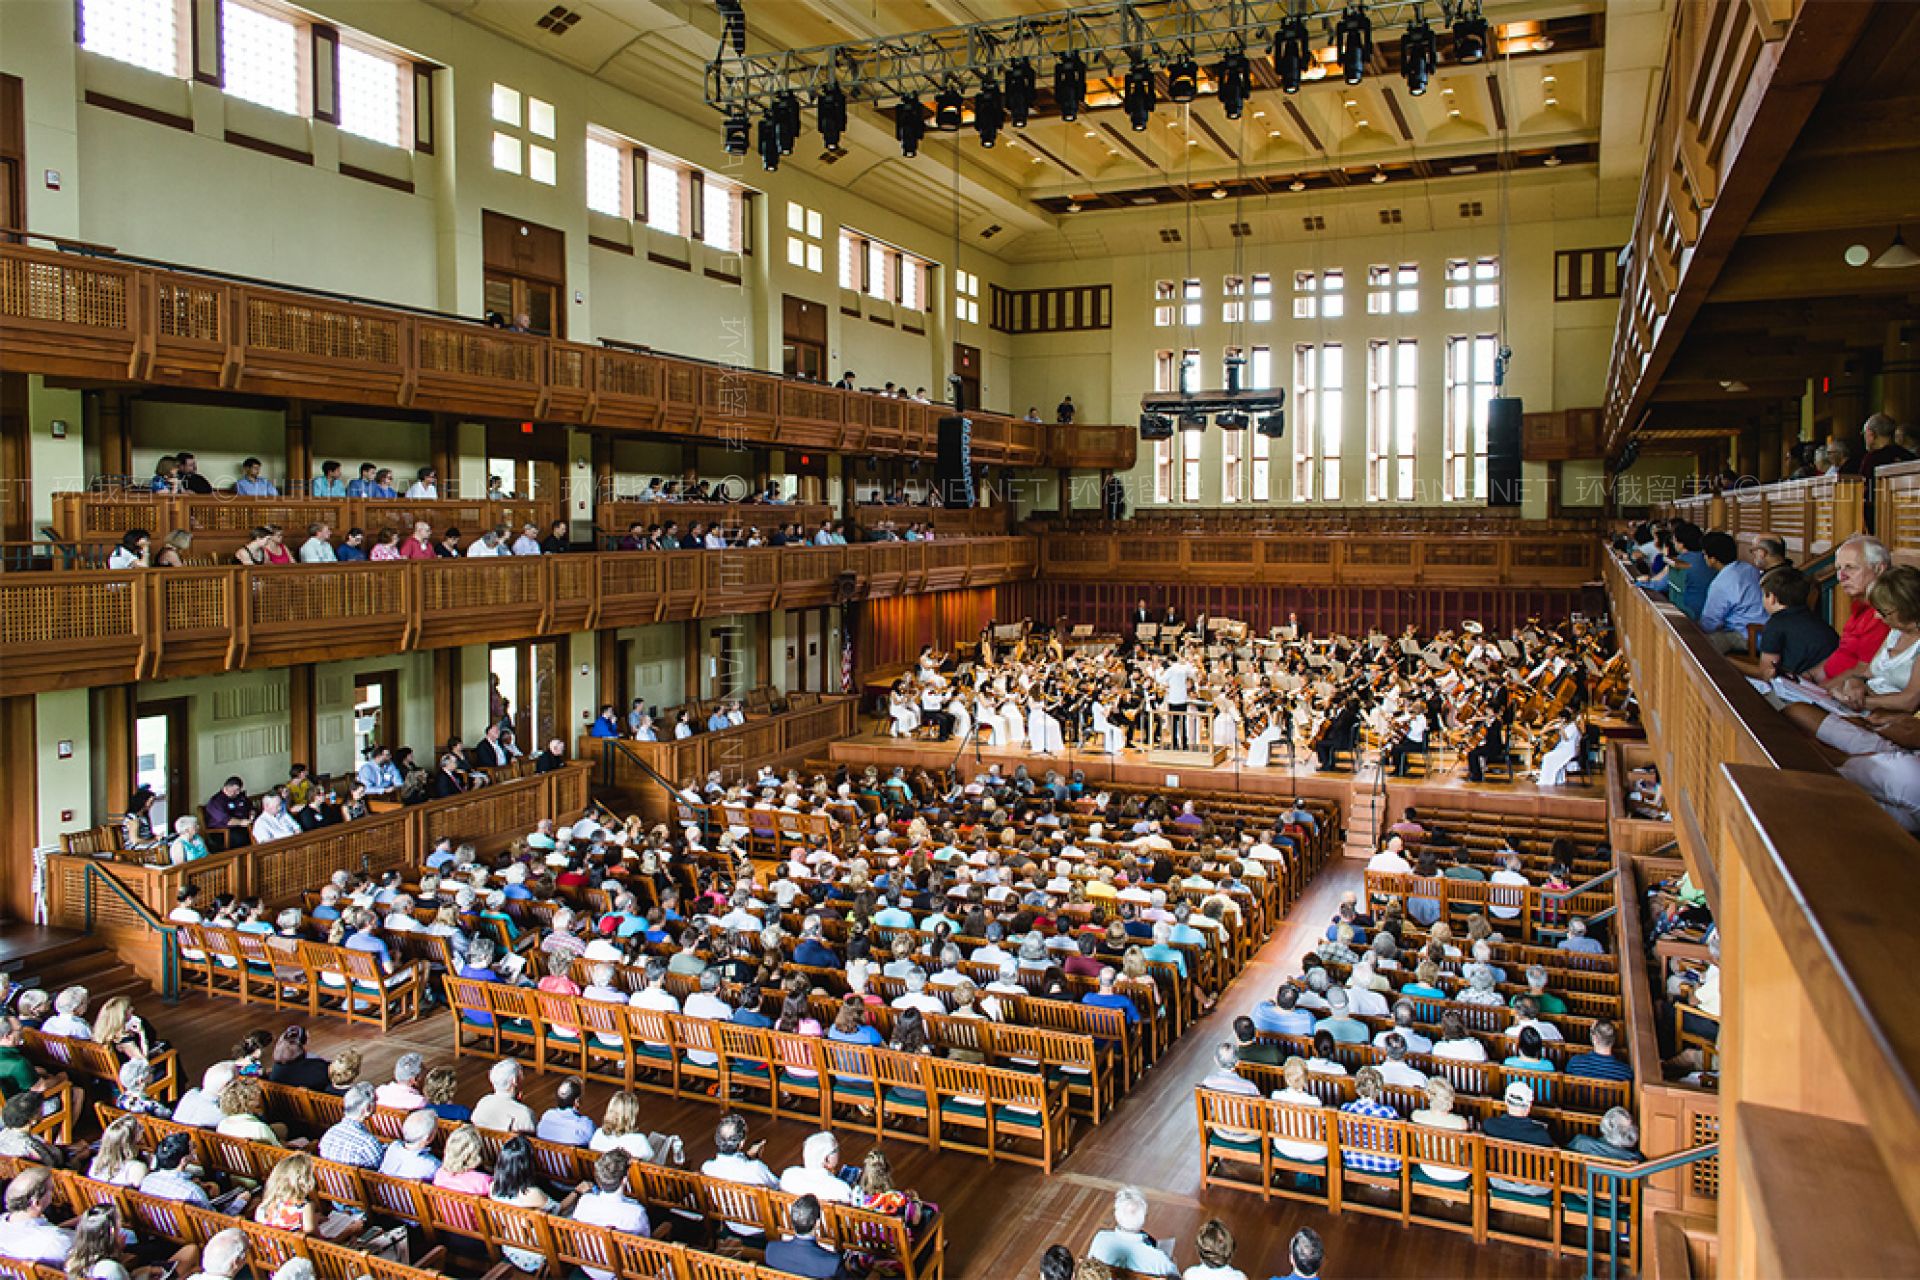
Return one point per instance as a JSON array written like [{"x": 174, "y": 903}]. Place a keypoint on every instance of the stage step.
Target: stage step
[
  {"x": 56, "y": 958},
  {"x": 1367, "y": 814}
]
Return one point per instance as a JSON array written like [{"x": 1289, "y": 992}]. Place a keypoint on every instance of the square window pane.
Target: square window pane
[
  {"x": 605, "y": 190},
  {"x": 813, "y": 223},
  {"x": 540, "y": 118},
  {"x": 260, "y": 58},
  {"x": 506, "y": 152},
  {"x": 796, "y": 217},
  {"x": 506, "y": 105},
  {"x": 813, "y": 258},
  {"x": 796, "y": 252},
  {"x": 370, "y": 98},
  {"x": 541, "y": 166},
  {"x": 145, "y": 33}
]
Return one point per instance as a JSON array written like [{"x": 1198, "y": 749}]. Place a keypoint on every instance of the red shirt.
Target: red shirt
[
  {"x": 414, "y": 549},
  {"x": 1859, "y": 641}
]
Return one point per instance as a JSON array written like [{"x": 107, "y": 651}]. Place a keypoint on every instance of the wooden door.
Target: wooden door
[
  {"x": 803, "y": 339},
  {"x": 966, "y": 363},
  {"x": 525, "y": 268}
]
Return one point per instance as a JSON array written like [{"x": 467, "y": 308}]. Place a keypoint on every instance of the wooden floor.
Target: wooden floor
[{"x": 1002, "y": 1216}]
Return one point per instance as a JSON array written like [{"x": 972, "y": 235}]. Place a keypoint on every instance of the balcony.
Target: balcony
[
  {"x": 1538, "y": 560},
  {"x": 83, "y": 629}
]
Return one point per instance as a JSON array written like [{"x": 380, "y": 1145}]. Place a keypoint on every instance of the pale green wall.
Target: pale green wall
[
  {"x": 59, "y": 466},
  {"x": 63, "y": 784}
]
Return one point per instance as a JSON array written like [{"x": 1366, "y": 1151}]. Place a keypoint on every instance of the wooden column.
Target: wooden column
[
  {"x": 446, "y": 701},
  {"x": 689, "y": 462},
  {"x": 602, "y": 457},
  {"x": 303, "y": 739},
  {"x": 110, "y": 417},
  {"x": 610, "y": 672},
  {"x": 690, "y": 649},
  {"x": 16, "y": 460},
  {"x": 299, "y": 449},
  {"x": 444, "y": 445},
  {"x": 763, "y": 649},
  {"x": 826, "y": 643},
  {"x": 111, "y": 713},
  {"x": 20, "y": 811}
]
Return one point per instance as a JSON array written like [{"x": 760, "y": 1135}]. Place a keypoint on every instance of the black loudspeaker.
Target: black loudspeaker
[
  {"x": 1503, "y": 451},
  {"x": 1272, "y": 425},
  {"x": 955, "y": 474},
  {"x": 1156, "y": 426}
]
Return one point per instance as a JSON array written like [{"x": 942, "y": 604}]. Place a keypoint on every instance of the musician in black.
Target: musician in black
[
  {"x": 1339, "y": 733},
  {"x": 1492, "y": 747}
]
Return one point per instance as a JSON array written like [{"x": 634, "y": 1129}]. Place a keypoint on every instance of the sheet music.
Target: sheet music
[{"x": 1789, "y": 689}]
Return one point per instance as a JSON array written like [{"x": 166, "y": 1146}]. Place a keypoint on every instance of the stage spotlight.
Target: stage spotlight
[
  {"x": 831, "y": 113},
  {"x": 1231, "y": 421},
  {"x": 1156, "y": 426},
  {"x": 1353, "y": 39},
  {"x": 786, "y": 114},
  {"x": 1139, "y": 96},
  {"x": 738, "y": 133},
  {"x": 1235, "y": 78},
  {"x": 1418, "y": 56},
  {"x": 1190, "y": 421},
  {"x": 1469, "y": 36},
  {"x": 1274, "y": 425},
  {"x": 1292, "y": 54},
  {"x": 989, "y": 112},
  {"x": 1183, "y": 79},
  {"x": 948, "y": 108},
  {"x": 770, "y": 149},
  {"x": 1022, "y": 85},
  {"x": 1070, "y": 86},
  {"x": 910, "y": 125}
]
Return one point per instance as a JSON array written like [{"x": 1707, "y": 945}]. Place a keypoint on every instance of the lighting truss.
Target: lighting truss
[{"x": 1108, "y": 36}]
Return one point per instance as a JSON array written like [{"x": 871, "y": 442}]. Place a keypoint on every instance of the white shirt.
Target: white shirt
[
  {"x": 480, "y": 549},
  {"x": 274, "y": 826},
  {"x": 1365, "y": 1002},
  {"x": 525, "y": 545},
  {"x": 1399, "y": 1073},
  {"x": 421, "y": 489},
  {"x": 317, "y": 551},
  {"x": 751, "y": 1173},
  {"x": 503, "y": 1113},
  {"x": 1465, "y": 1049},
  {"x": 1389, "y": 862},
  {"x": 1504, "y": 876},
  {"x": 615, "y": 1211},
  {"x": 919, "y": 1000},
  {"x": 1174, "y": 679},
  {"x": 634, "y": 1144},
  {"x": 821, "y": 1185}
]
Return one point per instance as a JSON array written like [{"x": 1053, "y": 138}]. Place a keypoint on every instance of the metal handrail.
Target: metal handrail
[
  {"x": 1614, "y": 1176},
  {"x": 169, "y": 975},
  {"x": 1605, "y": 877}
]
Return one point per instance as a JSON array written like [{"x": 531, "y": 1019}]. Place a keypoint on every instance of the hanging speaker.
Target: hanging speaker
[
  {"x": 1503, "y": 451},
  {"x": 955, "y": 473}
]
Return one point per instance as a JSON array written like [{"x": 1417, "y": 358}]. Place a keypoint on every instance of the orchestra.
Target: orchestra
[{"x": 1462, "y": 695}]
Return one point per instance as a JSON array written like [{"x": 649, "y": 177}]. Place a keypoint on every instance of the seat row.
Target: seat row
[
  {"x": 295, "y": 973},
  {"x": 99, "y": 1063},
  {"x": 941, "y": 1103},
  {"x": 1455, "y": 1180},
  {"x": 1577, "y": 1102},
  {"x": 1537, "y": 913}
]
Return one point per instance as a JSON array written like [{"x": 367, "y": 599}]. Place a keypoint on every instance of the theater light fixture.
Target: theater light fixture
[
  {"x": 830, "y": 112},
  {"x": 1139, "y": 96},
  {"x": 738, "y": 133},
  {"x": 989, "y": 113},
  {"x": 948, "y": 108},
  {"x": 1418, "y": 56},
  {"x": 1234, "y": 75},
  {"x": 1022, "y": 86},
  {"x": 1353, "y": 41},
  {"x": 1183, "y": 79},
  {"x": 770, "y": 151},
  {"x": 1070, "y": 86},
  {"x": 1469, "y": 34},
  {"x": 910, "y": 125},
  {"x": 1291, "y": 54}
]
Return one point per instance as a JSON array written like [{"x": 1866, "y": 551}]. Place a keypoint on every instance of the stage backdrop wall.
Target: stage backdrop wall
[
  {"x": 1350, "y": 609},
  {"x": 892, "y": 630}
]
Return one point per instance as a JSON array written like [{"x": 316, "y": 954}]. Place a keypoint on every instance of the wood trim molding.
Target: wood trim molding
[
  {"x": 612, "y": 246},
  {"x": 665, "y": 261},
  {"x": 268, "y": 148},
  {"x": 376, "y": 178},
  {"x": 722, "y": 276},
  {"x": 138, "y": 111}
]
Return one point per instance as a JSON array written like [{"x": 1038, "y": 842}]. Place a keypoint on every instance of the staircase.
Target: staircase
[
  {"x": 57, "y": 958},
  {"x": 1367, "y": 814}
]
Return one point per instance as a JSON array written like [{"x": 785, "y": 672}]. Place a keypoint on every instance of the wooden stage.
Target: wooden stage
[{"x": 1367, "y": 804}]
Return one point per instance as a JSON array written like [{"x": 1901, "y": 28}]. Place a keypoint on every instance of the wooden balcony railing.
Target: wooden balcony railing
[
  {"x": 81, "y": 629},
  {"x": 78, "y": 315},
  {"x": 280, "y": 870},
  {"x": 956, "y": 522},
  {"x": 1739, "y": 80},
  {"x": 612, "y": 519},
  {"x": 1699, "y": 713},
  {"x": 737, "y": 752},
  {"x": 1562, "y": 560},
  {"x": 1896, "y": 510},
  {"x": 1811, "y": 516}
]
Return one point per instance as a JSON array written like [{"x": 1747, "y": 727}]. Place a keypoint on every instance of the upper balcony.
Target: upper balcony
[{"x": 96, "y": 317}]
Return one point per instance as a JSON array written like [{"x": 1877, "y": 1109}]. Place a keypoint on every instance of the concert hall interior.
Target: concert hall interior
[{"x": 1082, "y": 639}]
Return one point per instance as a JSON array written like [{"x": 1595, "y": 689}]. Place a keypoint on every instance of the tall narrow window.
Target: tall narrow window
[
  {"x": 1163, "y": 470},
  {"x": 607, "y": 170},
  {"x": 1259, "y": 377},
  {"x": 853, "y": 260},
  {"x": 260, "y": 57},
  {"x": 1473, "y": 283},
  {"x": 1318, "y": 384},
  {"x": 1233, "y": 452},
  {"x": 1392, "y": 427},
  {"x": 1192, "y": 442},
  {"x": 374, "y": 96},
  {"x": 1191, "y": 299},
  {"x": 1233, "y": 304},
  {"x": 1163, "y": 300},
  {"x": 722, "y": 220},
  {"x": 1262, "y": 297},
  {"x": 145, "y": 33},
  {"x": 1469, "y": 387},
  {"x": 666, "y": 196}
]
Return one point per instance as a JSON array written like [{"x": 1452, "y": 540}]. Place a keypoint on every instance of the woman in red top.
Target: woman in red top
[
  {"x": 419, "y": 546},
  {"x": 275, "y": 551}
]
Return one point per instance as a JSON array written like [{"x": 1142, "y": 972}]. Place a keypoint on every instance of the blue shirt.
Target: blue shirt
[
  {"x": 1344, "y": 1029},
  {"x": 718, "y": 721},
  {"x": 1115, "y": 1001},
  {"x": 1733, "y": 600},
  {"x": 567, "y": 1127},
  {"x": 893, "y": 918},
  {"x": 247, "y": 487},
  {"x": 359, "y": 488},
  {"x": 1160, "y": 951},
  {"x": 346, "y": 552},
  {"x": 381, "y": 491},
  {"x": 372, "y": 944},
  {"x": 380, "y": 778},
  {"x": 1270, "y": 1017},
  {"x": 1594, "y": 1066},
  {"x": 325, "y": 488},
  {"x": 1693, "y": 596},
  {"x": 604, "y": 728},
  {"x": 1368, "y": 1161}
]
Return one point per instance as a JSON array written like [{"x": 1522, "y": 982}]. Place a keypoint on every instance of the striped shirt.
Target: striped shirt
[{"x": 1366, "y": 1161}]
